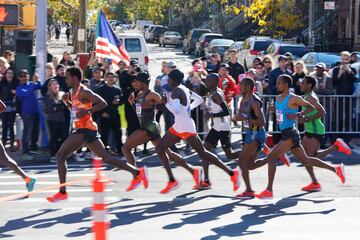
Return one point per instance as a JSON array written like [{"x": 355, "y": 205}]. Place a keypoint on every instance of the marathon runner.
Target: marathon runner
[
  {"x": 7, "y": 161},
  {"x": 219, "y": 112},
  {"x": 83, "y": 102},
  {"x": 145, "y": 103},
  {"x": 286, "y": 106},
  {"x": 184, "y": 128},
  {"x": 315, "y": 131},
  {"x": 252, "y": 116}
]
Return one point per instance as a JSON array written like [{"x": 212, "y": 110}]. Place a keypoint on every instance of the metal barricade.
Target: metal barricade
[{"x": 342, "y": 115}]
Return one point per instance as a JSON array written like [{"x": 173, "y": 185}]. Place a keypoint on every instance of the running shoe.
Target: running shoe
[
  {"x": 342, "y": 146},
  {"x": 266, "y": 194},
  {"x": 197, "y": 177},
  {"x": 266, "y": 150},
  {"x": 58, "y": 197},
  {"x": 28, "y": 157},
  {"x": 30, "y": 185},
  {"x": 340, "y": 172},
  {"x": 285, "y": 159},
  {"x": 205, "y": 185},
  {"x": 312, "y": 187},
  {"x": 170, "y": 186},
  {"x": 246, "y": 195},
  {"x": 235, "y": 178},
  {"x": 144, "y": 176}
]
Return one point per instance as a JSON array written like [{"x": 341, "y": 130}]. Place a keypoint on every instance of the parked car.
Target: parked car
[
  {"x": 254, "y": 47},
  {"x": 193, "y": 36},
  {"x": 170, "y": 38},
  {"x": 156, "y": 32},
  {"x": 235, "y": 46},
  {"x": 276, "y": 49},
  {"x": 218, "y": 46},
  {"x": 203, "y": 42},
  {"x": 136, "y": 47},
  {"x": 312, "y": 58}
]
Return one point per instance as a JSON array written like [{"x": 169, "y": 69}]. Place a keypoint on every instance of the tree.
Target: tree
[
  {"x": 275, "y": 17},
  {"x": 187, "y": 9}
]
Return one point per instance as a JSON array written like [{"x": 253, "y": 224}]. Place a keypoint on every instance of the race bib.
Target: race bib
[
  {"x": 246, "y": 122},
  {"x": 73, "y": 113},
  {"x": 138, "y": 109},
  {"x": 279, "y": 116}
]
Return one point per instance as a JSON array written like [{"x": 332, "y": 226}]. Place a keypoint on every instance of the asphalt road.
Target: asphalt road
[{"x": 185, "y": 213}]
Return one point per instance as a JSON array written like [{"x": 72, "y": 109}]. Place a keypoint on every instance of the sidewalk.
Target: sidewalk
[{"x": 58, "y": 47}]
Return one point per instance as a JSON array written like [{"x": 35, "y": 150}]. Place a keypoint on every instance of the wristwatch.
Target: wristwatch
[{"x": 307, "y": 119}]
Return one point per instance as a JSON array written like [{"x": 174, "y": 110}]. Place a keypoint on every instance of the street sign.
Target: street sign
[
  {"x": 81, "y": 35},
  {"x": 329, "y": 5},
  {"x": 9, "y": 15}
]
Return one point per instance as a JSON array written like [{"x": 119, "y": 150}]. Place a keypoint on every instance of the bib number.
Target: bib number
[
  {"x": 246, "y": 122},
  {"x": 279, "y": 116},
  {"x": 73, "y": 113},
  {"x": 138, "y": 109}
]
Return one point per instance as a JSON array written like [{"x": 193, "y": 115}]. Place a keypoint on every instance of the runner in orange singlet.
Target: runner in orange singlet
[{"x": 83, "y": 102}]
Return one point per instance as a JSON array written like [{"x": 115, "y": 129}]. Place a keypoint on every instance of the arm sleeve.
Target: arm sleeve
[
  {"x": 174, "y": 106},
  {"x": 225, "y": 111},
  {"x": 197, "y": 100}
]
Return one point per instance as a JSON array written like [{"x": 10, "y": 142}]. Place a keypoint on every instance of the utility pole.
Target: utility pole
[
  {"x": 41, "y": 40},
  {"x": 81, "y": 37},
  {"x": 311, "y": 40}
]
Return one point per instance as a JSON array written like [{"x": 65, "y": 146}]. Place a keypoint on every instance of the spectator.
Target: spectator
[
  {"x": 125, "y": 79},
  {"x": 50, "y": 71},
  {"x": 274, "y": 74},
  {"x": 8, "y": 86},
  {"x": 354, "y": 58},
  {"x": 300, "y": 72},
  {"x": 204, "y": 62},
  {"x": 29, "y": 113},
  {"x": 236, "y": 68},
  {"x": 227, "y": 84},
  {"x": 54, "y": 110},
  {"x": 157, "y": 86},
  {"x": 256, "y": 61},
  {"x": 344, "y": 77},
  {"x": 67, "y": 59},
  {"x": 260, "y": 72},
  {"x": 93, "y": 61},
  {"x": 67, "y": 33},
  {"x": 290, "y": 62},
  {"x": 9, "y": 56},
  {"x": 195, "y": 84},
  {"x": 110, "y": 117},
  {"x": 268, "y": 63},
  {"x": 57, "y": 32},
  {"x": 107, "y": 66},
  {"x": 324, "y": 86},
  {"x": 3, "y": 66},
  {"x": 60, "y": 78},
  {"x": 96, "y": 81},
  {"x": 198, "y": 69},
  {"x": 213, "y": 66},
  {"x": 122, "y": 66},
  {"x": 252, "y": 73}
]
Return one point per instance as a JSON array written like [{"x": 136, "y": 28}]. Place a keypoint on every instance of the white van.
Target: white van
[{"x": 136, "y": 47}]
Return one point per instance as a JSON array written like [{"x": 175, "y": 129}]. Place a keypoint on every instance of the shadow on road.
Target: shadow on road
[{"x": 133, "y": 213}]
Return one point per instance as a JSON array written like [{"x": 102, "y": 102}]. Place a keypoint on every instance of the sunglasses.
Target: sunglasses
[
  {"x": 267, "y": 62},
  {"x": 23, "y": 76},
  {"x": 259, "y": 68}
]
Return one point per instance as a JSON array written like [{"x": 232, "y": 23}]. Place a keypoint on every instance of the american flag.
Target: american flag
[{"x": 107, "y": 43}]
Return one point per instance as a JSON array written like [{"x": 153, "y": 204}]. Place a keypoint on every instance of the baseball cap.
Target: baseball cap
[
  {"x": 320, "y": 65},
  {"x": 171, "y": 64},
  {"x": 282, "y": 57},
  {"x": 134, "y": 62},
  {"x": 24, "y": 71},
  {"x": 252, "y": 70},
  {"x": 59, "y": 66},
  {"x": 107, "y": 60},
  {"x": 96, "y": 68},
  {"x": 289, "y": 55},
  {"x": 143, "y": 77}
]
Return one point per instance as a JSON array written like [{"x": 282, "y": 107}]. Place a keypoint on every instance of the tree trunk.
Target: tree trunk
[
  {"x": 220, "y": 18},
  {"x": 75, "y": 26}
]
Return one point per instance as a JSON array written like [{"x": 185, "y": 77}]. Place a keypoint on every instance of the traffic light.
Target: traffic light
[
  {"x": 29, "y": 11},
  {"x": 9, "y": 15}
]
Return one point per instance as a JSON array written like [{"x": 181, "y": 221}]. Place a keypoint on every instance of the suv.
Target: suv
[
  {"x": 254, "y": 47},
  {"x": 203, "y": 42},
  {"x": 276, "y": 49},
  {"x": 191, "y": 39}
]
